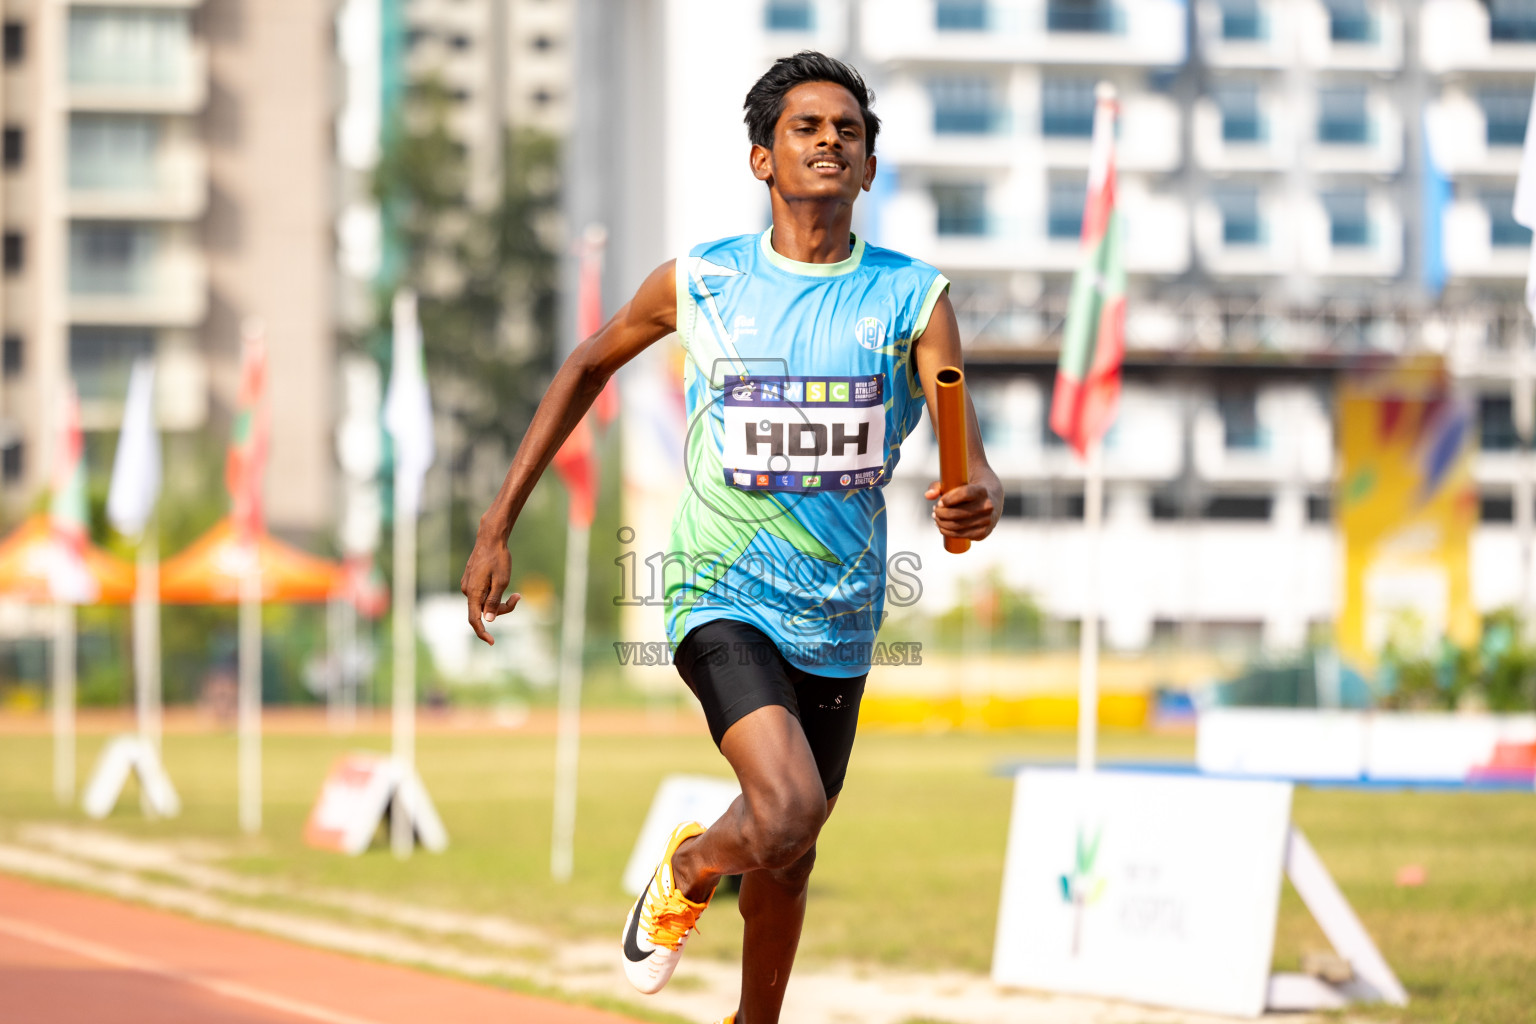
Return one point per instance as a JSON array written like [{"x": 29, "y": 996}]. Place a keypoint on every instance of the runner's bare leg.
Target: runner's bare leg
[{"x": 768, "y": 836}]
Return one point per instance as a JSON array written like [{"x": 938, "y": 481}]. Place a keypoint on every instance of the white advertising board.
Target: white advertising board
[
  {"x": 1293, "y": 743},
  {"x": 1151, "y": 888},
  {"x": 679, "y": 798},
  {"x": 1440, "y": 747},
  {"x": 356, "y": 795},
  {"x": 126, "y": 756}
]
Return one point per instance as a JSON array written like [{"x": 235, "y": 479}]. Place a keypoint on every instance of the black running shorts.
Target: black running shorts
[{"x": 734, "y": 669}]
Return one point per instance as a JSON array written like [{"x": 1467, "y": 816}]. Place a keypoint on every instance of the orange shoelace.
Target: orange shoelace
[{"x": 671, "y": 920}]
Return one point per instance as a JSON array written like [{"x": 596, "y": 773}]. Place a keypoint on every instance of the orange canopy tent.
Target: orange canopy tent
[
  {"x": 27, "y": 555},
  {"x": 210, "y": 571}
]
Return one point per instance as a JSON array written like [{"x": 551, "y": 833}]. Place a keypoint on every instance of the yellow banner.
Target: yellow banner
[{"x": 1406, "y": 506}]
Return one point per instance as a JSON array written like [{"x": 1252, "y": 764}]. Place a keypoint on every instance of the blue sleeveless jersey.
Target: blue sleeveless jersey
[{"x": 799, "y": 392}]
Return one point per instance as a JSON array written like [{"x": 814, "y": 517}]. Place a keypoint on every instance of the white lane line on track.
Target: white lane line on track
[{"x": 29, "y": 932}]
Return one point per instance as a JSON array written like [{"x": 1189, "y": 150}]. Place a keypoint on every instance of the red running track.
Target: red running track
[{"x": 68, "y": 958}]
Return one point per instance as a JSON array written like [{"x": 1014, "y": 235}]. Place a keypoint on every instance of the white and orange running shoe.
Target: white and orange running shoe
[
  {"x": 660, "y": 922},
  {"x": 729, "y": 1018}
]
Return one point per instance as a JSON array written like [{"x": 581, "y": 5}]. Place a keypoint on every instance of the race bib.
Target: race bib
[{"x": 804, "y": 433}]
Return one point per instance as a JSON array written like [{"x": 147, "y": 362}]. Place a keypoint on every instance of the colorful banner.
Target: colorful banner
[{"x": 1406, "y": 506}]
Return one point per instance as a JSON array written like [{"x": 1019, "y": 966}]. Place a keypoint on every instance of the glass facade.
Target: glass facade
[
  {"x": 1240, "y": 220},
  {"x": 1066, "y": 107},
  {"x": 110, "y": 258},
  {"x": 100, "y": 358},
  {"x": 1241, "y": 119},
  {"x": 962, "y": 15},
  {"x": 1343, "y": 118},
  {"x": 1349, "y": 222},
  {"x": 128, "y": 46},
  {"x": 967, "y": 105},
  {"x": 790, "y": 16},
  {"x": 961, "y": 208},
  {"x": 1064, "y": 212},
  {"x": 112, "y": 151},
  {"x": 1506, "y": 111}
]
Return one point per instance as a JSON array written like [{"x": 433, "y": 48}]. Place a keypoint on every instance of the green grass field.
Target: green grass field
[{"x": 915, "y": 848}]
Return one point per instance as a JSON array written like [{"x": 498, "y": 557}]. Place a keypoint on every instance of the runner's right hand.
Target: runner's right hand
[{"x": 485, "y": 579}]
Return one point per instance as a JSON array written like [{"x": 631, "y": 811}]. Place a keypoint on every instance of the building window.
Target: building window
[
  {"x": 12, "y": 465},
  {"x": 1319, "y": 508},
  {"x": 1512, "y": 21},
  {"x": 110, "y": 258},
  {"x": 1240, "y": 429},
  {"x": 1343, "y": 117},
  {"x": 1505, "y": 112},
  {"x": 15, "y": 148},
  {"x": 100, "y": 358},
  {"x": 1241, "y": 120},
  {"x": 1350, "y": 21},
  {"x": 1066, "y": 107},
  {"x": 790, "y": 16},
  {"x": 1496, "y": 424},
  {"x": 12, "y": 355},
  {"x": 962, "y": 209},
  {"x": 15, "y": 252},
  {"x": 15, "y": 42},
  {"x": 1250, "y": 508},
  {"x": 1349, "y": 222},
  {"x": 1242, "y": 21},
  {"x": 1064, "y": 208},
  {"x": 1503, "y": 229},
  {"x": 1082, "y": 16},
  {"x": 1240, "y": 220},
  {"x": 962, "y": 16},
  {"x": 1496, "y": 508},
  {"x": 112, "y": 151},
  {"x": 967, "y": 105},
  {"x": 128, "y": 46}
]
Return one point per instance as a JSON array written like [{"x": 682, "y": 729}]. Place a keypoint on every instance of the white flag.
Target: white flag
[
  {"x": 1525, "y": 202},
  {"x": 408, "y": 408},
  {"x": 136, "y": 467}
]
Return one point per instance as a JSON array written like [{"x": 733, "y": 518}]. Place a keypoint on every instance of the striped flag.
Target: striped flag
[
  {"x": 576, "y": 461},
  {"x": 1093, "y": 341},
  {"x": 68, "y": 579},
  {"x": 247, "y": 458}
]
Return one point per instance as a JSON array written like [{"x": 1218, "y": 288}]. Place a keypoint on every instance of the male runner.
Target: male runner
[{"x": 794, "y": 429}]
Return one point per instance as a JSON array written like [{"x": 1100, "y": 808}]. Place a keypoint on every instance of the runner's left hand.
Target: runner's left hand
[{"x": 970, "y": 510}]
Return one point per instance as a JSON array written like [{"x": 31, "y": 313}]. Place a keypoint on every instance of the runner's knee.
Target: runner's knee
[
  {"x": 784, "y": 823},
  {"x": 794, "y": 877}
]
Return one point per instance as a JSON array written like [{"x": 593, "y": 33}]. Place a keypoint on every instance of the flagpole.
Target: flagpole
[
  {"x": 249, "y": 716},
  {"x": 568, "y": 735},
  {"x": 1088, "y": 635},
  {"x": 64, "y": 702},
  {"x": 146, "y": 647},
  {"x": 404, "y": 696}
]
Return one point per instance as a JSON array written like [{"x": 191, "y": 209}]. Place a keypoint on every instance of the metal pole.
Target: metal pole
[
  {"x": 401, "y": 833},
  {"x": 249, "y": 720},
  {"x": 568, "y": 737},
  {"x": 64, "y": 703},
  {"x": 146, "y": 639},
  {"x": 1088, "y": 654},
  {"x": 1523, "y": 406}
]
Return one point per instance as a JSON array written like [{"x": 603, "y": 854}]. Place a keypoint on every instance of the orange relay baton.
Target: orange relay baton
[{"x": 954, "y": 466}]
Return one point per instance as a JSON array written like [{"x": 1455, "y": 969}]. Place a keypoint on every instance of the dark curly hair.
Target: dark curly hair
[{"x": 765, "y": 100}]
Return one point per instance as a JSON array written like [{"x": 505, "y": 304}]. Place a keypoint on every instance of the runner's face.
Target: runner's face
[{"x": 819, "y": 149}]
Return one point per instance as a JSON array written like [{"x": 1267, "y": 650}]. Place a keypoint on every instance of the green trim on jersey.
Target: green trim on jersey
[{"x": 790, "y": 266}]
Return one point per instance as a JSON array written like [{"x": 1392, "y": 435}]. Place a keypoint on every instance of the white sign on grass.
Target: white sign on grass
[
  {"x": 1144, "y": 887},
  {"x": 357, "y": 794},
  {"x": 679, "y": 798}
]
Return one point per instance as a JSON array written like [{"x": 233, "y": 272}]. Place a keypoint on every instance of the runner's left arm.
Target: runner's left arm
[{"x": 970, "y": 510}]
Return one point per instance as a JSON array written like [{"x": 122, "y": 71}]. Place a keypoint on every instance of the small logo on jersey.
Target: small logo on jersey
[
  {"x": 784, "y": 480},
  {"x": 845, "y": 479},
  {"x": 811, "y": 480},
  {"x": 762, "y": 479},
  {"x": 743, "y": 392},
  {"x": 870, "y": 332},
  {"x": 742, "y": 479},
  {"x": 837, "y": 391},
  {"x": 866, "y": 390},
  {"x": 815, "y": 391},
  {"x": 794, "y": 391}
]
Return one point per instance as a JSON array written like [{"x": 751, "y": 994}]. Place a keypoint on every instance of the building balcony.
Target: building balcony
[
  {"x": 1470, "y": 249},
  {"x": 1459, "y": 128},
  {"x": 161, "y": 90},
  {"x": 1146, "y": 33},
  {"x": 1372, "y": 43},
  {"x": 1459, "y": 35},
  {"x": 175, "y": 187},
  {"x": 1370, "y": 248},
  {"x": 1268, "y": 144},
  {"x": 168, "y": 290},
  {"x": 1372, "y": 145},
  {"x": 1148, "y": 141},
  {"x": 1265, "y": 248},
  {"x": 1019, "y": 239},
  {"x": 1265, "y": 38}
]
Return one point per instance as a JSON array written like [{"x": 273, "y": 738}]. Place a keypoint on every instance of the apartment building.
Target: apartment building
[
  {"x": 166, "y": 179},
  {"x": 1276, "y": 159}
]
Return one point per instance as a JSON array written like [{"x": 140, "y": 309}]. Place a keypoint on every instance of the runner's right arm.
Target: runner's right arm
[{"x": 648, "y": 317}]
